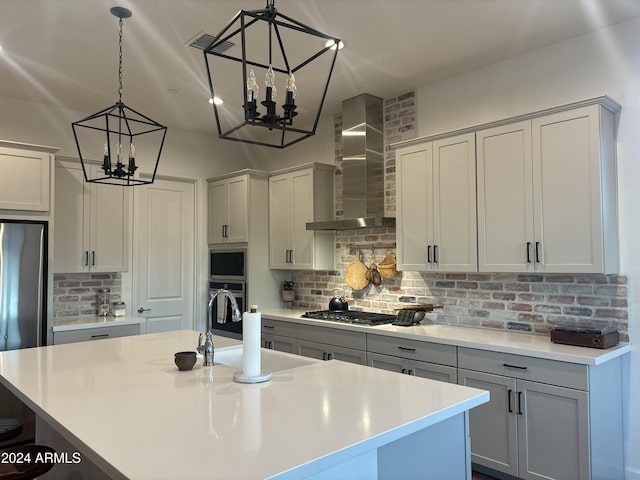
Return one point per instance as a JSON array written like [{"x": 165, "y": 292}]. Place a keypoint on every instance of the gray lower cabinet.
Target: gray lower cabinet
[
  {"x": 96, "y": 333},
  {"x": 411, "y": 357},
  {"x": 280, "y": 336},
  {"x": 546, "y": 419},
  {"x": 331, "y": 344}
]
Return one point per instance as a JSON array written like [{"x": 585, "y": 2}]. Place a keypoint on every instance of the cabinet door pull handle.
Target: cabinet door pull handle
[
  {"x": 514, "y": 366},
  {"x": 411, "y": 372},
  {"x": 435, "y": 254},
  {"x": 270, "y": 345},
  {"x": 537, "y": 252},
  {"x": 268, "y": 326},
  {"x": 509, "y": 406},
  {"x": 86, "y": 258},
  {"x": 102, "y": 335},
  {"x": 407, "y": 349},
  {"x": 93, "y": 258},
  {"x": 291, "y": 256},
  {"x": 324, "y": 355},
  {"x": 428, "y": 253},
  {"x": 404, "y": 370},
  {"x": 528, "y": 252},
  {"x": 519, "y": 403}
]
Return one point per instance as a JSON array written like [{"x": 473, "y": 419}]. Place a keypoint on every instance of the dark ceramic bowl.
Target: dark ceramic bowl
[{"x": 185, "y": 360}]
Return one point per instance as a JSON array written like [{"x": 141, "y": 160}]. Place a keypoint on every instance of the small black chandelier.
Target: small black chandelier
[
  {"x": 119, "y": 124},
  {"x": 262, "y": 34}
]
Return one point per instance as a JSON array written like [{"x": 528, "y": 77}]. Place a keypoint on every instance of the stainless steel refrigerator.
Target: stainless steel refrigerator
[
  {"x": 23, "y": 256},
  {"x": 23, "y": 303}
]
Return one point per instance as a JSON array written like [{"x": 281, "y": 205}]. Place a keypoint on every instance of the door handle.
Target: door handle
[
  {"x": 519, "y": 403},
  {"x": 140, "y": 309},
  {"x": 508, "y": 365},
  {"x": 537, "y": 252},
  {"x": 435, "y": 254},
  {"x": 93, "y": 258},
  {"x": 428, "y": 253},
  {"x": 407, "y": 349},
  {"x": 86, "y": 258},
  {"x": 528, "y": 252},
  {"x": 509, "y": 406}
]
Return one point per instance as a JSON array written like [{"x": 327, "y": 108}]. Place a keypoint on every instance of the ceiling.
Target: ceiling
[{"x": 65, "y": 52}]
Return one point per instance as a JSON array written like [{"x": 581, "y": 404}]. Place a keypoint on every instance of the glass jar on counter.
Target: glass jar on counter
[
  {"x": 118, "y": 308},
  {"x": 104, "y": 297}
]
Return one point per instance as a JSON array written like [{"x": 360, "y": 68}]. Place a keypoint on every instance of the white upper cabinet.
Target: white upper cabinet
[
  {"x": 25, "y": 177},
  {"x": 547, "y": 194},
  {"x": 228, "y": 210},
  {"x": 436, "y": 205},
  {"x": 298, "y": 196},
  {"x": 91, "y": 223},
  {"x": 505, "y": 198}
]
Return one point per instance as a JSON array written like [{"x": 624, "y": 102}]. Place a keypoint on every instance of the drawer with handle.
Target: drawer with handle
[
  {"x": 553, "y": 372},
  {"x": 97, "y": 333},
  {"x": 412, "y": 349}
]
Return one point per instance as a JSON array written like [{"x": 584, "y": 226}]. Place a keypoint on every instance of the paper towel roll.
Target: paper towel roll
[{"x": 251, "y": 325}]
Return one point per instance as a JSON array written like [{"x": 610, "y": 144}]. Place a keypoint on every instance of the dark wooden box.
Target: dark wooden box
[{"x": 583, "y": 339}]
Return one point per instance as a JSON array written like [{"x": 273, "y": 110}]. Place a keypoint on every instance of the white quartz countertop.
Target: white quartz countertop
[
  {"x": 125, "y": 405},
  {"x": 484, "y": 339},
  {"x": 80, "y": 323}
]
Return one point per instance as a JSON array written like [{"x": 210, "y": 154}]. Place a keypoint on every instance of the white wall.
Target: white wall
[{"x": 604, "y": 63}]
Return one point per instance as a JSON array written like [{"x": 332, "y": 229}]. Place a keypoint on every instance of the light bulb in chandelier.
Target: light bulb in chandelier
[
  {"x": 291, "y": 86},
  {"x": 270, "y": 82},
  {"x": 106, "y": 161},
  {"x": 252, "y": 87},
  {"x": 132, "y": 159},
  {"x": 290, "y": 104}
]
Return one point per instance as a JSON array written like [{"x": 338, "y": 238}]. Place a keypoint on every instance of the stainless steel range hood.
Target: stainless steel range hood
[{"x": 362, "y": 166}]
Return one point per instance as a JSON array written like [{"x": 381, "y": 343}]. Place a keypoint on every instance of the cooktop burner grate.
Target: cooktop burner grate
[{"x": 351, "y": 316}]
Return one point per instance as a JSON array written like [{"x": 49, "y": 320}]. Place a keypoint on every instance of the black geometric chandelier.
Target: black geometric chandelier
[
  {"x": 112, "y": 131},
  {"x": 255, "y": 43}
]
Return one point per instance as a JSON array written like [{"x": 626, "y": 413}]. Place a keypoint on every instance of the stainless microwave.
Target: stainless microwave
[{"x": 228, "y": 264}]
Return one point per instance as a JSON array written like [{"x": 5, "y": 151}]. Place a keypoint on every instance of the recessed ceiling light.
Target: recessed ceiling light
[
  {"x": 332, "y": 44},
  {"x": 218, "y": 101}
]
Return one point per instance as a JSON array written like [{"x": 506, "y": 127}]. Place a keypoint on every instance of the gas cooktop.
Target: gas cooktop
[{"x": 351, "y": 316}]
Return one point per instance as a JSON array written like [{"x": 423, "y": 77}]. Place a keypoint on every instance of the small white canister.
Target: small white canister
[{"x": 118, "y": 309}]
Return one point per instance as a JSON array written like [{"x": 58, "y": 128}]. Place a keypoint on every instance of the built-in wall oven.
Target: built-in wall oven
[{"x": 227, "y": 270}]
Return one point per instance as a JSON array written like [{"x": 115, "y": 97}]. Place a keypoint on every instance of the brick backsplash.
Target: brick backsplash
[
  {"x": 75, "y": 294},
  {"x": 531, "y": 303},
  {"x": 511, "y": 301}
]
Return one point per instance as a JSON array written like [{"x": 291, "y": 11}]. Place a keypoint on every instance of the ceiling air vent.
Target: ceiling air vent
[{"x": 203, "y": 40}]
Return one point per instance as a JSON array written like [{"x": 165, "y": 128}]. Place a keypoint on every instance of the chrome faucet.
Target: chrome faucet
[
  {"x": 206, "y": 349},
  {"x": 236, "y": 315}
]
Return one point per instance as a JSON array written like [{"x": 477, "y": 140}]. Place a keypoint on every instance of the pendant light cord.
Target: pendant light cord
[{"x": 120, "y": 62}]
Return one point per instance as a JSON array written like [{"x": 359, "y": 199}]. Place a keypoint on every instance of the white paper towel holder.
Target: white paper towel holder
[
  {"x": 265, "y": 375},
  {"x": 240, "y": 377}
]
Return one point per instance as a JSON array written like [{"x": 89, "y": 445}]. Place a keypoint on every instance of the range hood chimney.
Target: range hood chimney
[{"x": 362, "y": 166}]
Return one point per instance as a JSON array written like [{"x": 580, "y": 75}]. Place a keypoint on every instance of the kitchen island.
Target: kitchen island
[{"x": 123, "y": 405}]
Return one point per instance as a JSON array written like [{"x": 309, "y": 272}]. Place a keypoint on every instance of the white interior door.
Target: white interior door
[{"x": 165, "y": 254}]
